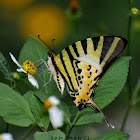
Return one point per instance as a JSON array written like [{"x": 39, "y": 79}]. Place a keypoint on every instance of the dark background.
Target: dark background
[{"x": 106, "y": 17}]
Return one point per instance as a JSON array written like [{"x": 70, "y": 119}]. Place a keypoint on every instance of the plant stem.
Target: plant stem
[
  {"x": 29, "y": 130},
  {"x": 126, "y": 117},
  {"x": 75, "y": 26},
  {"x": 136, "y": 90},
  {"x": 7, "y": 127},
  {"x": 132, "y": 2},
  {"x": 71, "y": 126},
  {"x": 128, "y": 53},
  {"x": 129, "y": 74},
  {"x": 137, "y": 101}
]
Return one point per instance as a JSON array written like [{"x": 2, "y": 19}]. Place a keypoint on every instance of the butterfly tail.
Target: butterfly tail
[{"x": 95, "y": 107}]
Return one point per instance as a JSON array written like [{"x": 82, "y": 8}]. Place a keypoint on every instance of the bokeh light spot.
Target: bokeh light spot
[{"x": 48, "y": 21}]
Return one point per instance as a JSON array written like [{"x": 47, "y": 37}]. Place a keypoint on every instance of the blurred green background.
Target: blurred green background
[{"x": 51, "y": 20}]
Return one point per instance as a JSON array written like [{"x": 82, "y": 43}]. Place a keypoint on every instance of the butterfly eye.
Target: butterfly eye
[{"x": 49, "y": 53}]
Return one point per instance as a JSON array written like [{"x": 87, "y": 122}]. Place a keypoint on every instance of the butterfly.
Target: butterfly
[{"x": 81, "y": 65}]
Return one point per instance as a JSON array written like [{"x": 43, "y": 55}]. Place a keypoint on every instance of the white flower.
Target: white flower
[
  {"x": 6, "y": 136},
  {"x": 28, "y": 68},
  {"x": 56, "y": 115}
]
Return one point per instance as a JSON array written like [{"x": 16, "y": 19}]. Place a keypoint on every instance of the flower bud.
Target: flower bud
[
  {"x": 16, "y": 75},
  {"x": 134, "y": 11},
  {"x": 74, "y": 11}
]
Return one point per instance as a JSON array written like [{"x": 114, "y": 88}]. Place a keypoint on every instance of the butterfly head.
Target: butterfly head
[
  {"x": 51, "y": 57},
  {"x": 51, "y": 62},
  {"x": 51, "y": 54}
]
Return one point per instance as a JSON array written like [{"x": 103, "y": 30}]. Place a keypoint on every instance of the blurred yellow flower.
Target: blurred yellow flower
[
  {"x": 48, "y": 21},
  {"x": 15, "y": 4}
]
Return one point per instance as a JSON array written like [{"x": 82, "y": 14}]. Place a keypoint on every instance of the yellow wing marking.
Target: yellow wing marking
[
  {"x": 90, "y": 47},
  {"x": 80, "y": 48},
  {"x": 72, "y": 51},
  {"x": 99, "y": 49},
  {"x": 70, "y": 75},
  {"x": 86, "y": 79}
]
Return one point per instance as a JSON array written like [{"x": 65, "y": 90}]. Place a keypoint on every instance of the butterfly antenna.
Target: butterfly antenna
[
  {"x": 53, "y": 43},
  {"x": 43, "y": 42},
  {"x": 95, "y": 107}
]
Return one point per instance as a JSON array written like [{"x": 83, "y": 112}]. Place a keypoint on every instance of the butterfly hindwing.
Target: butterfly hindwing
[{"x": 87, "y": 76}]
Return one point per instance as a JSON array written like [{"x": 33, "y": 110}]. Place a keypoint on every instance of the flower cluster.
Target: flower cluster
[{"x": 27, "y": 68}]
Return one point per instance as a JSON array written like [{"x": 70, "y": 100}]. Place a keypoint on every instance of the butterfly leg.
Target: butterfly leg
[
  {"x": 48, "y": 81},
  {"x": 47, "y": 70},
  {"x": 42, "y": 62}
]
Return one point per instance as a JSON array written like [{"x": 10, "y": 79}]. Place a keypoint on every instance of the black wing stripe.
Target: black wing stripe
[
  {"x": 95, "y": 42},
  {"x": 61, "y": 58},
  {"x": 119, "y": 48},
  {"x": 71, "y": 59},
  {"x": 75, "y": 49},
  {"x": 106, "y": 45},
  {"x": 84, "y": 45},
  {"x": 58, "y": 81}
]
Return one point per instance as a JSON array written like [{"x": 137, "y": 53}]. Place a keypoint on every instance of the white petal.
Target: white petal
[
  {"x": 54, "y": 100},
  {"x": 33, "y": 81},
  {"x": 21, "y": 70},
  {"x": 14, "y": 60},
  {"x": 56, "y": 116},
  {"x": 6, "y": 136}
]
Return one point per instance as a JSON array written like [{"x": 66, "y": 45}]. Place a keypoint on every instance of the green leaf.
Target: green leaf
[
  {"x": 14, "y": 108},
  {"x": 41, "y": 95},
  {"x": 51, "y": 135},
  {"x": 113, "y": 135},
  {"x": 41, "y": 117},
  {"x": 112, "y": 83},
  {"x": 4, "y": 67},
  {"x": 90, "y": 118},
  {"x": 67, "y": 114}
]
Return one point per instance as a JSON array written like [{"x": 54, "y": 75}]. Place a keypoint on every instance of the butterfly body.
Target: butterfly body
[{"x": 81, "y": 65}]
